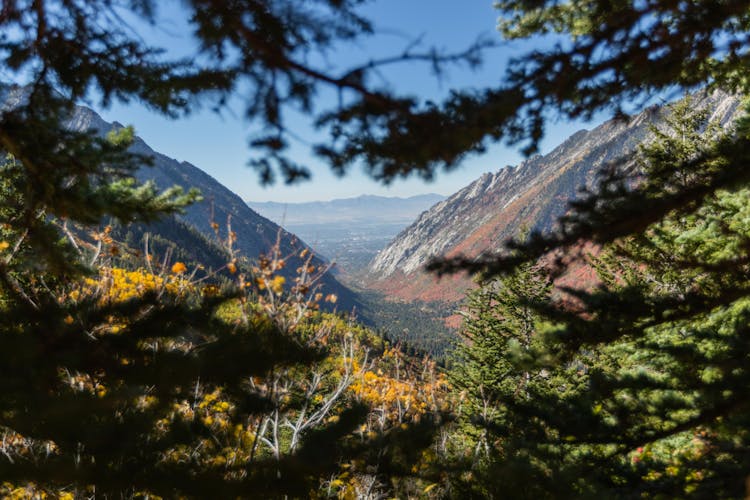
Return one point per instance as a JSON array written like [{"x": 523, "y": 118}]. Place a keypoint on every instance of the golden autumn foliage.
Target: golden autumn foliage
[
  {"x": 277, "y": 284},
  {"x": 178, "y": 268},
  {"x": 401, "y": 389},
  {"x": 115, "y": 284},
  {"x": 10, "y": 491},
  {"x": 354, "y": 368}
]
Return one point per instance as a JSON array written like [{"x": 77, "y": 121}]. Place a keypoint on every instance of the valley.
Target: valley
[
  {"x": 569, "y": 318},
  {"x": 349, "y": 232},
  {"x": 350, "y": 245}
]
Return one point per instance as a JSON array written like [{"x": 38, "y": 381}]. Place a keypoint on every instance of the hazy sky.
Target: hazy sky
[{"x": 218, "y": 143}]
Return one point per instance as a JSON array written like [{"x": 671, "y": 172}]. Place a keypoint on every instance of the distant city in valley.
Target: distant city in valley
[{"x": 349, "y": 231}]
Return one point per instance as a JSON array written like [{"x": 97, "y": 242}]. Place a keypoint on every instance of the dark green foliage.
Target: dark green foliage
[
  {"x": 641, "y": 391},
  {"x": 661, "y": 341},
  {"x": 104, "y": 438},
  {"x": 674, "y": 311},
  {"x": 496, "y": 373},
  {"x": 645, "y": 384},
  {"x": 419, "y": 328},
  {"x": 500, "y": 327}
]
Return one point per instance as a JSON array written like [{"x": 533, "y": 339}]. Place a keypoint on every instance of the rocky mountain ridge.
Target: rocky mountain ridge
[{"x": 496, "y": 206}]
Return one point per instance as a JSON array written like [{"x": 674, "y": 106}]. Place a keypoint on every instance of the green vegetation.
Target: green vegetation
[
  {"x": 636, "y": 387},
  {"x": 121, "y": 378},
  {"x": 419, "y": 328}
]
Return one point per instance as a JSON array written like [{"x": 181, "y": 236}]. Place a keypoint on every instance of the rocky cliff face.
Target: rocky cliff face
[{"x": 496, "y": 206}]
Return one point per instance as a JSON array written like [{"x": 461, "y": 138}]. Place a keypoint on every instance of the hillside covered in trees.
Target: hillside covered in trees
[{"x": 129, "y": 371}]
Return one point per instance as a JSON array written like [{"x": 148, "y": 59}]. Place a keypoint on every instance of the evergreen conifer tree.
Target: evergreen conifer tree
[
  {"x": 502, "y": 384},
  {"x": 644, "y": 386}
]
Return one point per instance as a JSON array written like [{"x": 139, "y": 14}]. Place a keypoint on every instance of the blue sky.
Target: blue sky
[{"x": 218, "y": 143}]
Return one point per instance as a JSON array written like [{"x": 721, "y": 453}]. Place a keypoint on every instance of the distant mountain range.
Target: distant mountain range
[
  {"x": 348, "y": 231},
  {"x": 365, "y": 208},
  {"x": 496, "y": 206}
]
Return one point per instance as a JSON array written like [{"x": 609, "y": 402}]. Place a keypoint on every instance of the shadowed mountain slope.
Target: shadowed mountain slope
[{"x": 254, "y": 233}]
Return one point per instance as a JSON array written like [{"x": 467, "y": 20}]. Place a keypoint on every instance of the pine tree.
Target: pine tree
[
  {"x": 499, "y": 326},
  {"x": 646, "y": 384},
  {"x": 501, "y": 383},
  {"x": 676, "y": 305},
  {"x": 611, "y": 54}
]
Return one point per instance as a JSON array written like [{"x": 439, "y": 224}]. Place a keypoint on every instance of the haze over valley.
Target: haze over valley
[{"x": 348, "y": 231}]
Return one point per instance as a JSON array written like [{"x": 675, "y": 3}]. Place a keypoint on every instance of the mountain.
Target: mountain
[
  {"x": 254, "y": 233},
  {"x": 496, "y": 206},
  {"x": 349, "y": 231},
  {"x": 365, "y": 208}
]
